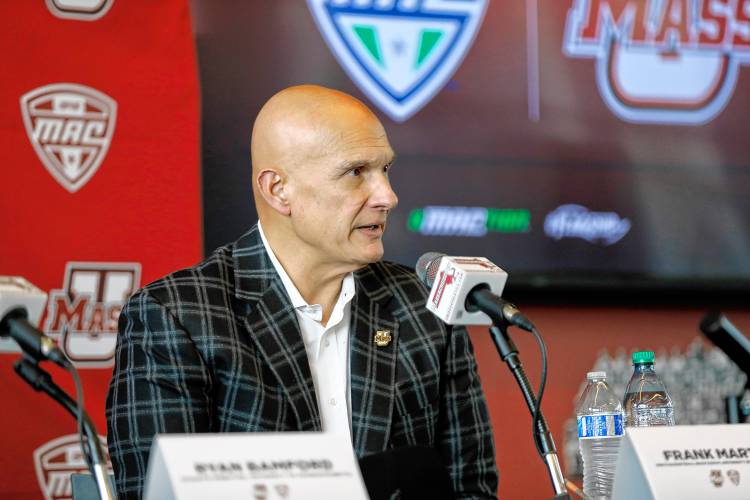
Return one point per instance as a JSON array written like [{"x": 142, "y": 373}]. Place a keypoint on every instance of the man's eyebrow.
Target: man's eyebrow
[
  {"x": 350, "y": 164},
  {"x": 347, "y": 165}
]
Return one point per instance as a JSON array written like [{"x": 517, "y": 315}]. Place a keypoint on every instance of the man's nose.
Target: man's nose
[{"x": 383, "y": 197}]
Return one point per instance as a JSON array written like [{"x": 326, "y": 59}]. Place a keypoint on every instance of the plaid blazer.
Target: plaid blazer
[{"x": 216, "y": 348}]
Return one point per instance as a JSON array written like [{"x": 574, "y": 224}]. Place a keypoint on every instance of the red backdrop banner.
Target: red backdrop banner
[{"x": 99, "y": 114}]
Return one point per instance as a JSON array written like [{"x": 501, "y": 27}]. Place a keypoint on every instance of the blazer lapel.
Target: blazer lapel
[
  {"x": 373, "y": 367},
  {"x": 272, "y": 323}
]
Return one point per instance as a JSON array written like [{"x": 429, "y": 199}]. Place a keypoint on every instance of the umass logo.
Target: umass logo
[
  {"x": 662, "y": 61},
  {"x": 83, "y": 315},
  {"x": 400, "y": 53}
]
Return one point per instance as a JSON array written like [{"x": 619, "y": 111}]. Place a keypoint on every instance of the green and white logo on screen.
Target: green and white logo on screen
[
  {"x": 438, "y": 220},
  {"x": 399, "y": 52}
]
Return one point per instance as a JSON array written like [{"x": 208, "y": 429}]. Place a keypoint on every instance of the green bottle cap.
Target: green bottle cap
[{"x": 641, "y": 357}]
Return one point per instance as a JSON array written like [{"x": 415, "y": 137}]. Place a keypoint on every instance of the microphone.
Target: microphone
[
  {"x": 466, "y": 291},
  {"x": 20, "y": 302},
  {"x": 727, "y": 337}
]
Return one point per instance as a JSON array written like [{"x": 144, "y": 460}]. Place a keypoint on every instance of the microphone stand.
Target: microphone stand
[
  {"x": 509, "y": 354},
  {"x": 42, "y": 381},
  {"x": 737, "y": 409}
]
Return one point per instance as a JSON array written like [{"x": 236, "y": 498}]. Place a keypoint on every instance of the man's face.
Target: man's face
[{"x": 340, "y": 200}]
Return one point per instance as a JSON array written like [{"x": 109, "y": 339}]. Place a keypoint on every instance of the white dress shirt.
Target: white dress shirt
[{"x": 327, "y": 348}]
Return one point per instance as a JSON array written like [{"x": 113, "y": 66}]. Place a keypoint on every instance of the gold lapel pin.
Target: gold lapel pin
[{"x": 383, "y": 338}]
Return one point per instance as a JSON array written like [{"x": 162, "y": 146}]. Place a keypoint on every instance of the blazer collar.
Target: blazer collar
[
  {"x": 253, "y": 270},
  {"x": 272, "y": 323}
]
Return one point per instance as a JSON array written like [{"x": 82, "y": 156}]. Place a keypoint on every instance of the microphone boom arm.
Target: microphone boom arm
[
  {"x": 41, "y": 381},
  {"x": 509, "y": 354}
]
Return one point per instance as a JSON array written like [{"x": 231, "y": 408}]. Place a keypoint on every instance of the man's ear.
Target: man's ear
[{"x": 271, "y": 186}]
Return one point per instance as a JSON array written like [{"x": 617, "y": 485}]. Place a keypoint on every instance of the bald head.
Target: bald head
[
  {"x": 298, "y": 126},
  {"x": 320, "y": 178}
]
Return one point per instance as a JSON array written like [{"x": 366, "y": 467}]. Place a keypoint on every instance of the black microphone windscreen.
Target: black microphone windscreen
[
  {"x": 727, "y": 337},
  {"x": 427, "y": 267},
  {"x": 5, "y": 321}
]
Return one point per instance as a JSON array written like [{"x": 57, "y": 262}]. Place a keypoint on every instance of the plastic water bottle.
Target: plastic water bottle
[
  {"x": 647, "y": 402},
  {"x": 600, "y": 427}
]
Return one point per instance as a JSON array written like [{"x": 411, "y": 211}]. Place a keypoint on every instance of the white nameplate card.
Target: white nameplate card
[
  {"x": 267, "y": 465},
  {"x": 684, "y": 462}
]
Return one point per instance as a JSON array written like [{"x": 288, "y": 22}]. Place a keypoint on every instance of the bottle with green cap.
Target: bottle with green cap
[{"x": 647, "y": 402}]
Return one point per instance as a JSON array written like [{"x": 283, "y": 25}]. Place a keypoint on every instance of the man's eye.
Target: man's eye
[{"x": 356, "y": 171}]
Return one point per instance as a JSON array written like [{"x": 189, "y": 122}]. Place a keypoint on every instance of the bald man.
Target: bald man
[{"x": 298, "y": 325}]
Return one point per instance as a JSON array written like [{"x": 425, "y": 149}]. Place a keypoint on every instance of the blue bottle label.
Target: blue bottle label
[{"x": 602, "y": 425}]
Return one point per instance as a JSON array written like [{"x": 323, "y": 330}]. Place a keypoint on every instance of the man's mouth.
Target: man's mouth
[{"x": 372, "y": 228}]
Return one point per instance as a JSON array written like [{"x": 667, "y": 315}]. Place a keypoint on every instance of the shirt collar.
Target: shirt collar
[{"x": 298, "y": 302}]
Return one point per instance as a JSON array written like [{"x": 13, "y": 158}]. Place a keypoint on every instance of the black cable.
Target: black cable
[
  {"x": 30, "y": 371},
  {"x": 538, "y": 407},
  {"x": 542, "y": 436},
  {"x": 79, "y": 417}
]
